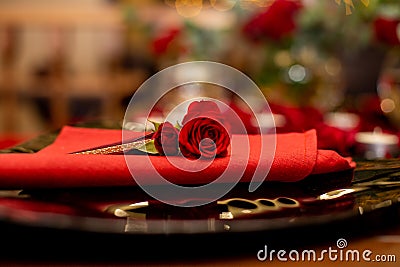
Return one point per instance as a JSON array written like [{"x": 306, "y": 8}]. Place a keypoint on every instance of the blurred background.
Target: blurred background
[{"x": 67, "y": 61}]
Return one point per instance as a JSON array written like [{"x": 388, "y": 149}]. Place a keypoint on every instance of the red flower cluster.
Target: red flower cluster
[
  {"x": 204, "y": 133},
  {"x": 386, "y": 31},
  {"x": 161, "y": 43},
  {"x": 277, "y": 22}
]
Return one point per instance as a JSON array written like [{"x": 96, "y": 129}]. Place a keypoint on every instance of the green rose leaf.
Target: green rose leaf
[
  {"x": 155, "y": 124},
  {"x": 178, "y": 125},
  {"x": 148, "y": 147}
]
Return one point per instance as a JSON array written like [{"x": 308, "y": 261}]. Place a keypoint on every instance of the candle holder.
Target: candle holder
[{"x": 376, "y": 145}]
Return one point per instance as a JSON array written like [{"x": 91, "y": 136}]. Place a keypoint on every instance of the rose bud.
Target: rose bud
[{"x": 166, "y": 139}]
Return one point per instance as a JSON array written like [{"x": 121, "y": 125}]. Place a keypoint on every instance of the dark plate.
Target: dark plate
[
  {"x": 299, "y": 212},
  {"x": 316, "y": 200},
  {"x": 118, "y": 222}
]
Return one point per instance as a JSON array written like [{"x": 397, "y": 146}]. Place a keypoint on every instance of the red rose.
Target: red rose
[
  {"x": 203, "y": 137},
  {"x": 386, "y": 31},
  {"x": 276, "y": 22},
  {"x": 204, "y": 132},
  {"x": 203, "y": 108},
  {"x": 166, "y": 139}
]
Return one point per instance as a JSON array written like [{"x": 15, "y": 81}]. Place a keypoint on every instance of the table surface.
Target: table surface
[{"x": 385, "y": 243}]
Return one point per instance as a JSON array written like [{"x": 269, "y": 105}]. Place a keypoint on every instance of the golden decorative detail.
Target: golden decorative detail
[
  {"x": 114, "y": 149},
  {"x": 349, "y": 4}
]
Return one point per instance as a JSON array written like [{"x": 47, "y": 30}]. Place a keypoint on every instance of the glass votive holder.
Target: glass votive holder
[{"x": 376, "y": 145}]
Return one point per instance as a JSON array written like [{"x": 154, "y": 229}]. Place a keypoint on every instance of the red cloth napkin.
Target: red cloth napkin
[
  {"x": 7, "y": 141},
  {"x": 296, "y": 157}
]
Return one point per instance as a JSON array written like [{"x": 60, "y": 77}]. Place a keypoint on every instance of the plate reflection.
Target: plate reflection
[{"x": 318, "y": 199}]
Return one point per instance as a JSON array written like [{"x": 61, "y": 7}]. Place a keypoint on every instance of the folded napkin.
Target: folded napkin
[{"x": 296, "y": 157}]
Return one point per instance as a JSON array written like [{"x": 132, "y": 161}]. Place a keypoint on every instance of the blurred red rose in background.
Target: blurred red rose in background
[
  {"x": 161, "y": 43},
  {"x": 275, "y": 23},
  {"x": 386, "y": 30}
]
